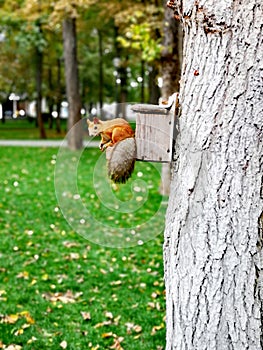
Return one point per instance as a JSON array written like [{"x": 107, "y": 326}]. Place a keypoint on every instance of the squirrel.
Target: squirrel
[{"x": 117, "y": 138}]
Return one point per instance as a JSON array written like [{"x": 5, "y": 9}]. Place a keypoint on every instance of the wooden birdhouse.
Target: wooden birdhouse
[{"x": 155, "y": 130}]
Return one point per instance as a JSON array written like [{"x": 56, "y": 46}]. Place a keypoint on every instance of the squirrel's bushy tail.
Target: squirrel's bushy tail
[{"x": 121, "y": 159}]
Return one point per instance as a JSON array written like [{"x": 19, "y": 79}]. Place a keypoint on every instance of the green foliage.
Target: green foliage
[
  {"x": 58, "y": 290},
  {"x": 31, "y": 37},
  {"x": 138, "y": 37},
  {"x": 31, "y": 25},
  {"x": 140, "y": 30}
]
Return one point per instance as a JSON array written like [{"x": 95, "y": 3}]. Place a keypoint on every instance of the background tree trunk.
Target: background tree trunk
[
  {"x": 72, "y": 82},
  {"x": 213, "y": 238},
  {"x": 171, "y": 71},
  {"x": 101, "y": 75},
  {"x": 39, "y": 69}
]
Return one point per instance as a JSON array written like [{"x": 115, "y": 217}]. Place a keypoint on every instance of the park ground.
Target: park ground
[{"x": 59, "y": 290}]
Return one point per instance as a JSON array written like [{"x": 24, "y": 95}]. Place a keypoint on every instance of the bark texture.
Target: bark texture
[
  {"x": 213, "y": 238},
  {"x": 72, "y": 83},
  {"x": 171, "y": 54},
  {"x": 171, "y": 72}
]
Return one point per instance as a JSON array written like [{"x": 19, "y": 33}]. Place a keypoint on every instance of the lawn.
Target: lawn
[
  {"x": 23, "y": 129},
  {"x": 64, "y": 283}
]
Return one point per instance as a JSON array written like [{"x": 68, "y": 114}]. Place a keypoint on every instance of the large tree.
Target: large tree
[
  {"x": 213, "y": 237},
  {"x": 171, "y": 60}
]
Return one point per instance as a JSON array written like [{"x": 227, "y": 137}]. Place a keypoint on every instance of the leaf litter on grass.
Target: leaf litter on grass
[{"x": 74, "y": 292}]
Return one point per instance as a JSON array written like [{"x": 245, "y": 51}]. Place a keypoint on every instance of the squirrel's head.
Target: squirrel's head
[{"x": 94, "y": 127}]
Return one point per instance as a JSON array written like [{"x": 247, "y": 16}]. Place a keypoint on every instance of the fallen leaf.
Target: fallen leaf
[
  {"x": 116, "y": 283},
  {"x": 2, "y": 292},
  {"x": 137, "y": 328},
  {"x": 23, "y": 274},
  {"x": 129, "y": 326},
  {"x": 137, "y": 336},
  {"x": 31, "y": 340},
  {"x": 101, "y": 324},
  {"x": 132, "y": 327},
  {"x": 85, "y": 315},
  {"x": 14, "y": 347},
  {"x": 157, "y": 328},
  {"x": 65, "y": 298},
  {"x": 107, "y": 335},
  {"x": 27, "y": 316},
  {"x": 151, "y": 305},
  {"x": 117, "y": 344},
  {"x": 109, "y": 315},
  {"x": 19, "y": 332},
  {"x": 154, "y": 295},
  {"x": 25, "y": 326},
  {"x": 10, "y": 319},
  {"x": 74, "y": 256},
  {"x": 45, "y": 277},
  {"x": 63, "y": 344},
  {"x": 69, "y": 244}
]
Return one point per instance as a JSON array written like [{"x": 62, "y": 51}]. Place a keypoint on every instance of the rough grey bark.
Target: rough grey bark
[
  {"x": 72, "y": 83},
  {"x": 171, "y": 72},
  {"x": 171, "y": 54},
  {"x": 213, "y": 238}
]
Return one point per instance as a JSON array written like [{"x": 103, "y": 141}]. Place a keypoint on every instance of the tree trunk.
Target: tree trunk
[
  {"x": 171, "y": 71},
  {"x": 72, "y": 83},
  {"x": 58, "y": 96},
  {"x": 39, "y": 68},
  {"x": 101, "y": 77},
  {"x": 143, "y": 81},
  {"x": 154, "y": 90},
  {"x": 213, "y": 237},
  {"x": 171, "y": 54}
]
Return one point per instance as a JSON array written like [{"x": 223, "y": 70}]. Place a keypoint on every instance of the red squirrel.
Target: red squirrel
[
  {"x": 117, "y": 138},
  {"x": 111, "y": 131}
]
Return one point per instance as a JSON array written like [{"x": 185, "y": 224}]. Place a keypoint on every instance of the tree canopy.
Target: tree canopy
[{"x": 105, "y": 30}]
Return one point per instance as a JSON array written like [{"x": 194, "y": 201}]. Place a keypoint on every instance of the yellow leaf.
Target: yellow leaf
[
  {"x": 157, "y": 328},
  {"x": 31, "y": 340},
  {"x": 34, "y": 281},
  {"x": 19, "y": 332},
  {"x": 27, "y": 316},
  {"x": 10, "y": 319},
  {"x": 45, "y": 277},
  {"x": 107, "y": 335},
  {"x": 23, "y": 274}
]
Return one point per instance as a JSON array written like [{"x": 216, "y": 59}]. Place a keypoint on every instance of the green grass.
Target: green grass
[
  {"x": 57, "y": 287},
  {"x": 23, "y": 129}
]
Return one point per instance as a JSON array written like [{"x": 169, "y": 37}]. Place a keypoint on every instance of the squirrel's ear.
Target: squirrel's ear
[
  {"x": 96, "y": 120},
  {"x": 88, "y": 121}
]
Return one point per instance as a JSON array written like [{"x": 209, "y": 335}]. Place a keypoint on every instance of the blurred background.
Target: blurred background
[{"x": 100, "y": 55}]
